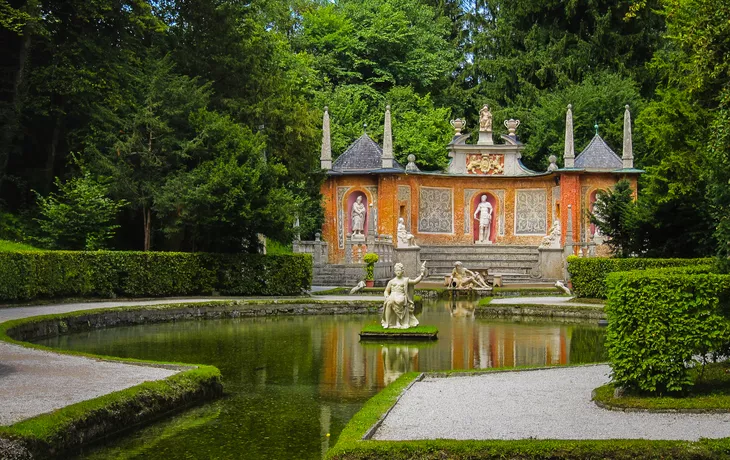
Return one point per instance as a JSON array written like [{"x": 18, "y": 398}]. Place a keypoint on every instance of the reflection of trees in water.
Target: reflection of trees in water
[{"x": 587, "y": 345}]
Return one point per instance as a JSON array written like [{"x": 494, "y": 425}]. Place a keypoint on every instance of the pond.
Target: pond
[{"x": 291, "y": 381}]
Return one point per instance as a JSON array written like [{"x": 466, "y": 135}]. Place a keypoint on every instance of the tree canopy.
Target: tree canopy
[{"x": 205, "y": 115}]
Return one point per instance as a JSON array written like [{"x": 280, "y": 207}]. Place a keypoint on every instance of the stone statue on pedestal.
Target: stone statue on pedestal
[
  {"x": 552, "y": 239},
  {"x": 462, "y": 277},
  {"x": 398, "y": 309},
  {"x": 357, "y": 213},
  {"x": 484, "y": 213},
  {"x": 405, "y": 239},
  {"x": 485, "y": 119}
]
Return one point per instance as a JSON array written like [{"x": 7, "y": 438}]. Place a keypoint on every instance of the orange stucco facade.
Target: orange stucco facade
[{"x": 438, "y": 209}]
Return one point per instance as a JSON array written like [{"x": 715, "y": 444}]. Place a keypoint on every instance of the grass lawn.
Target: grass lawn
[
  {"x": 377, "y": 328},
  {"x": 710, "y": 393},
  {"x": 8, "y": 246}
]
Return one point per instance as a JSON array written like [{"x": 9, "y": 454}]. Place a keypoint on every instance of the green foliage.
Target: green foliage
[
  {"x": 588, "y": 275},
  {"x": 719, "y": 180},
  {"x": 370, "y": 259},
  {"x": 599, "y": 98},
  {"x": 615, "y": 214},
  {"x": 660, "y": 323},
  {"x": 80, "y": 216},
  {"x": 53, "y": 274}
]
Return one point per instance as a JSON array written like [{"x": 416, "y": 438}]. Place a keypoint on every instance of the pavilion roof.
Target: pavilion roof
[
  {"x": 363, "y": 155},
  {"x": 598, "y": 156}
]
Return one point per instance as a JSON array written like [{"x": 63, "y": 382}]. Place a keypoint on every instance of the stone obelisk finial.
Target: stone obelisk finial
[
  {"x": 628, "y": 154},
  {"x": 387, "y": 141},
  {"x": 569, "y": 152},
  {"x": 325, "y": 158}
]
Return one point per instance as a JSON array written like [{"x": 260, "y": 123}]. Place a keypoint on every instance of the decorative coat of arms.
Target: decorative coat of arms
[{"x": 486, "y": 164}]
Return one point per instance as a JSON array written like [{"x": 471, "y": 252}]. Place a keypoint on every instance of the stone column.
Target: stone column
[
  {"x": 628, "y": 152},
  {"x": 569, "y": 152},
  {"x": 387, "y": 158},
  {"x": 325, "y": 158}
]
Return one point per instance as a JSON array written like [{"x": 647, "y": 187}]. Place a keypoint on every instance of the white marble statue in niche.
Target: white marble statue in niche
[
  {"x": 484, "y": 214},
  {"x": 398, "y": 309},
  {"x": 357, "y": 214},
  {"x": 405, "y": 239}
]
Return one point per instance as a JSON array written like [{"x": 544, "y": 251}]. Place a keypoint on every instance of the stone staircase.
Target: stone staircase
[{"x": 514, "y": 263}]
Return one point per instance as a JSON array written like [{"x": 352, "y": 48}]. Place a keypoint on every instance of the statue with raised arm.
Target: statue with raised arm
[
  {"x": 484, "y": 213},
  {"x": 398, "y": 309},
  {"x": 358, "y": 216}
]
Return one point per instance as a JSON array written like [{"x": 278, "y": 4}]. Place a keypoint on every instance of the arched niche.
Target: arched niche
[
  {"x": 349, "y": 201},
  {"x": 491, "y": 199}
]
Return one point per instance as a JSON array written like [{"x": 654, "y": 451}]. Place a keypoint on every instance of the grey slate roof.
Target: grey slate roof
[
  {"x": 598, "y": 156},
  {"x": 362, "y": 155}
]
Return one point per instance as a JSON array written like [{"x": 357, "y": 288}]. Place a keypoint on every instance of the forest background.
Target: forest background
[{"x": 195, "y": 125}]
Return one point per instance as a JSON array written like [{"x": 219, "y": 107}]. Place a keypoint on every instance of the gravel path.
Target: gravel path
[
  {"x": 542, "y": 404},
  {"x": 34, "y": 382},
  {"x": 543, "y": 300}
]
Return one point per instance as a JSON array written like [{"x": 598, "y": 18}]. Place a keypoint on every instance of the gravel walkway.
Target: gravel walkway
[
  {"x": 34, "y": 382},
  {"x": 543, "y": 300},
  {"x": 542, "y": 404}
]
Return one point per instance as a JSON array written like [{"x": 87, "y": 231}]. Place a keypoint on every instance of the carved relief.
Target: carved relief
[
  {"x": 485, "y": 164},
  {"x": 341, "y": 191},
  {"x": 500, "y": 223},
  {"x": 530, "y": 212},
  {"x": 404, "y": 195},
  {"x": 585, "y": 214},
  {"x": 468, "y": 195},
  {"x": 374, "y": 194},
  {"x": 556, "y": 197},
  {"x": 435, "y": 210}
]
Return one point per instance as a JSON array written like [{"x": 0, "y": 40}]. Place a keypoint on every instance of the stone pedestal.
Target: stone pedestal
[
  {"x": 359, "y": 237},
  {"x": 411, "y": 259},
  {"x": 551, "y": 263},
  {"x": 485, "y": 138}
]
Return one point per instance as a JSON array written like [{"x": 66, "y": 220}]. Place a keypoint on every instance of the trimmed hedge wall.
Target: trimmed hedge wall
[
  {"x": 26, "y": 275},
  {"x": 588, "y": 274},
  {"x": 660, "y": 321}
]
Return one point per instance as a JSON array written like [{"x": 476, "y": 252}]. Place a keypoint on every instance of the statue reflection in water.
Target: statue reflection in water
[
  {"x": 397, "y": 360},
  {"x": 461, "y": 308}
]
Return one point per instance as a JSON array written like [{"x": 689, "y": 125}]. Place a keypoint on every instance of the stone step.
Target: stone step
[
  {"x": 479, "y": 250},
  {"x": 477, "y": 258}
]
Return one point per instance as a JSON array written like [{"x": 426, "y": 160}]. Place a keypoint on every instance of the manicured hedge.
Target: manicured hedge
[
  {"x": 588, "y": 274},
  {"x": 26, "y": 275},
  {"x": 660, "y": 321}
]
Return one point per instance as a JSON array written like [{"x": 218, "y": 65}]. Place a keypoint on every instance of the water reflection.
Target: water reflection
[{"x": 292, "y": 380}]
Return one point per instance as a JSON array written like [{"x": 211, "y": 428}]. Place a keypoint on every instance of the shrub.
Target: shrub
[
  {"x": 49, "y": 274},
  {"x": 370, "y": 259},
  {"x": 660, "y": 322},
  {"x": 588, "y": 275}
]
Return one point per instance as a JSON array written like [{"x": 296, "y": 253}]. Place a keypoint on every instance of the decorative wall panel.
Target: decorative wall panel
[
  {"x": 468, "y": 195},
  {"x": 502, "y": 205},
  {"x": 435, "y": 210},
  {"x": 531, "y": 212},
  {"x": 404, "y": 195},
  {"x": 341, "y": 191}
]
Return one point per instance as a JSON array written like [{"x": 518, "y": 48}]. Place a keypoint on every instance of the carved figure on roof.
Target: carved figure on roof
[
  {"x": 398, "y": 309},
  {"x": 485, "y": 119},
  {"x": 358, "y": 216},
  {"x": 484, "y": 214}
]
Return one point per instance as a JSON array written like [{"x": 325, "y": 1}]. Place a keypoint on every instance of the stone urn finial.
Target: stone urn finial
[
  {"x": 458, "y": 125},
  {"x": 511, "y": 126}
]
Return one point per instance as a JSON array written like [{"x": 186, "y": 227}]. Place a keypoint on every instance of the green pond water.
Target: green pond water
[{"x": 291, "y": 381}]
